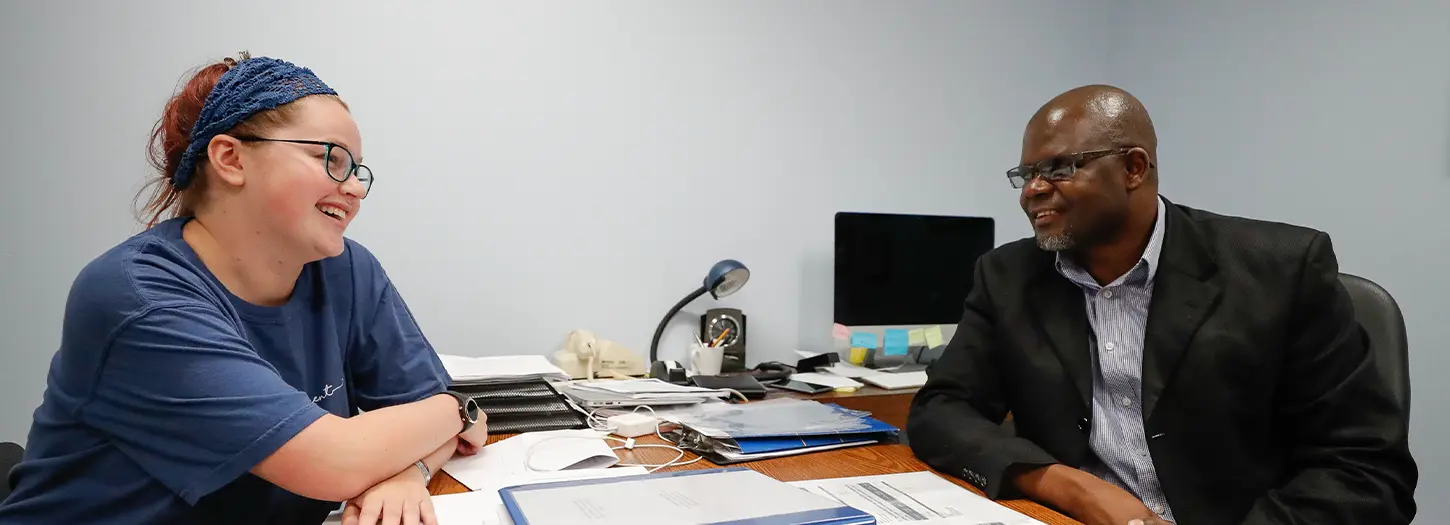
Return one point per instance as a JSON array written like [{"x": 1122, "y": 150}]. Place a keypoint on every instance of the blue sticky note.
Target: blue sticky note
[
  {"x": 897, "y": 339},
  {"x": 863, "y": 340}
]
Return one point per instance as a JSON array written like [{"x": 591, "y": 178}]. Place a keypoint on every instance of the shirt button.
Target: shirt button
[
  {"x": 1109, "y": 347},
  {"x": 1158, "y": 509},
  {"x": 1107, "y": 294},
  {"x": 1127, "y": 402}
]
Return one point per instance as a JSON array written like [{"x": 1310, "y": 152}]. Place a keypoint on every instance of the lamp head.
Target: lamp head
[{"x": 726, "y": 277}]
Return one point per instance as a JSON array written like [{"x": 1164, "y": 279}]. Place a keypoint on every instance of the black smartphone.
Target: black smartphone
[{"x": 800, "y": 386}]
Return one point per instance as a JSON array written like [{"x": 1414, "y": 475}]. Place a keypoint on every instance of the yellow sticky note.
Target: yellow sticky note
[
  {"x": 858, "y": 356},
  {"x": 916, "y": 337},
  {"x": 933, "y": 336}
]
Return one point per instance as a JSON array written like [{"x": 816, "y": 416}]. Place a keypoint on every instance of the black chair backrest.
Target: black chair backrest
[
  {"x": 1380, "y": 316},
  {"x": 10, "y": 454}
]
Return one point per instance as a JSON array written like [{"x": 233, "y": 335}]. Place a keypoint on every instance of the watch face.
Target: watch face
[
  {"x": 472, "y": 409},
  {"x": 719, "y": 324}
]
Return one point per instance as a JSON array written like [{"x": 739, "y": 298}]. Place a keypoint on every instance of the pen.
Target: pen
[{"x": 719, "y": 338}]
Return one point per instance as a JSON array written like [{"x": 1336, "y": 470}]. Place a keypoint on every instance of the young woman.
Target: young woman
[{"x": 212, "y": 368}]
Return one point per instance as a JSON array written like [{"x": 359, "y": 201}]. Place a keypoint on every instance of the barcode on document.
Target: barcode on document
[{"x": 904, "y": 511}]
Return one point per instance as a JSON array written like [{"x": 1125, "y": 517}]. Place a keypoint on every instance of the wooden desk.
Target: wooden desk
[{"x": 855, "y": 461}]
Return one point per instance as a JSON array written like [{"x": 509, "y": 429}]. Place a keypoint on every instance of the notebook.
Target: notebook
[{"x": 682, "y": 498}]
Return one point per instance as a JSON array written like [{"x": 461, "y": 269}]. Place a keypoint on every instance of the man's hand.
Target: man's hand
[
  {"x": 1103, "y": 503},
  {"x": 1150, "y": 521},
  {"x": 400, "y": 500},
  {"x": 1083, "y": 496}
]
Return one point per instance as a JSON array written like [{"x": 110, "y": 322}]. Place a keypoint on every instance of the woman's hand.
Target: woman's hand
[
  {"x": 475, "y": 438},
  {"x": 400, "y": 500}
]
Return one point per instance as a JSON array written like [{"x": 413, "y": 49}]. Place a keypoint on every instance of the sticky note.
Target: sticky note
[
  {"x": 897, "y": 340},
  {"x": 865, "y": 340},
  {"x": 839, "y": 331},
  {"x": 917, "y": 337},
  {"x": 933, "y": 336},
  {"x": 858, "y": 355}
]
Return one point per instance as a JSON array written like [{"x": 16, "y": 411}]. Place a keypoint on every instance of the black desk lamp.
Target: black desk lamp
[{"x": 725, "y": 278}]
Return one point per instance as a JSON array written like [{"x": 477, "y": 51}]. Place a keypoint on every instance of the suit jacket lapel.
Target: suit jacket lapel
[
  {"x": 1061, "y": 315},
  {"x": 1184, "y": 291}
]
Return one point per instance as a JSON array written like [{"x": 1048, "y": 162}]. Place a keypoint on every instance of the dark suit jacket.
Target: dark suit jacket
[{"x": 1261, "y": 400}]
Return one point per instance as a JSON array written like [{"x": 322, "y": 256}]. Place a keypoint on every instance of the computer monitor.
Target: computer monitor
[{"x": 904, "y": 271}]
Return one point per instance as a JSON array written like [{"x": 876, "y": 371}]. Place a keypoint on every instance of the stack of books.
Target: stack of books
[{"x": 516, "y": 392}]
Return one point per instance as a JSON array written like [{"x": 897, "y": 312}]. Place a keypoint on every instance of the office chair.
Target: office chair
[
  {"x": 10, "y": 454},
  {"x": 1380, "y": 316}
]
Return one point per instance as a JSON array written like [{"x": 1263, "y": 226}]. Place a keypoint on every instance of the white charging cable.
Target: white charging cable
[{"x": 600, "y": 424}]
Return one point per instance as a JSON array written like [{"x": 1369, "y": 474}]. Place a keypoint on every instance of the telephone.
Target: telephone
[{"x": 586, "y": 356}]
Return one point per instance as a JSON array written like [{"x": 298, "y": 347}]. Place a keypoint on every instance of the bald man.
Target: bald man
[{"x": 1160, "y": 363}]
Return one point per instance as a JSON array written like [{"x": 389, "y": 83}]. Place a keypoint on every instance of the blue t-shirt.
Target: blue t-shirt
[{"x": 167, "y": 389}]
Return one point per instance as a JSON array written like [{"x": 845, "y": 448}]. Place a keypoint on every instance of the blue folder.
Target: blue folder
[
  {"x": 873, "y": 426},
  {"x": 839, "y": 515},
  {"x": 762, "y": 445}
]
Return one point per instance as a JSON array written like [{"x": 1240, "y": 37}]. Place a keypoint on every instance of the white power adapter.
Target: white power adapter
[{"x": 632, "y": 424}]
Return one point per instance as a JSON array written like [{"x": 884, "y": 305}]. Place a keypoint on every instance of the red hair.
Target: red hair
[{"x": 172, "y": 133}]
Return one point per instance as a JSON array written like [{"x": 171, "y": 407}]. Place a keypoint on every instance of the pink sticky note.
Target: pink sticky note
[{"x": 840, "y": 332}]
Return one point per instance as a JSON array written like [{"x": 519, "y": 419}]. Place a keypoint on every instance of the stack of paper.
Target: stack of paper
[
  {"x": 895, "y": 380},
  {"x": 500, "y": 369},
  {"x": 592, "y": 394}
]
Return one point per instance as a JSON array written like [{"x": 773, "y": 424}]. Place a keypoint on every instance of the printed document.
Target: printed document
[{"x": 915, "y": 498}]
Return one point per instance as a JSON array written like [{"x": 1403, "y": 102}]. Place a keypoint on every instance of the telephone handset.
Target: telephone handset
[{"x": 586, "y": 356}]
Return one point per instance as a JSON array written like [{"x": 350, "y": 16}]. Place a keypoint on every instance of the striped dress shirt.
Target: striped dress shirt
[{"x": 1118, "y": 315}]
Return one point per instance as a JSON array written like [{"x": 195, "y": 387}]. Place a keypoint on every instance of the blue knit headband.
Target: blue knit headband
[{"x": 253, "y": 85}]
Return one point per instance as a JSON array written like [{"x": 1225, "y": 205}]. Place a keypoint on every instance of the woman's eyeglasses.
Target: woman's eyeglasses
[{"x": 336, "y": 160}]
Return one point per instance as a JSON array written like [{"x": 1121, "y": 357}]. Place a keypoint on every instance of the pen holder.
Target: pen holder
[{"x": 706, "y": 360}]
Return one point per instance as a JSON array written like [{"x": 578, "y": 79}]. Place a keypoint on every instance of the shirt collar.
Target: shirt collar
[{"x": 1149, "y": 260}]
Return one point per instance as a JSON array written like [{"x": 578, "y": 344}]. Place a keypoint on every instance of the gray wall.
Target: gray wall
[
  {"x": 581, "y": 166},
  {"x": 1334, "y": 115},
  {"x": 568, "y": 165}
]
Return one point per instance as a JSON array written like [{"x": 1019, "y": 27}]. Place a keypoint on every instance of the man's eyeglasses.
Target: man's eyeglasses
[
  {"x": 336, "y": 160},
  {"x": 1057, "y": 168}
]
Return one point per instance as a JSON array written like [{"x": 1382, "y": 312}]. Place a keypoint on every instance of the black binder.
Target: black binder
[{"x": 523, "y": 406}]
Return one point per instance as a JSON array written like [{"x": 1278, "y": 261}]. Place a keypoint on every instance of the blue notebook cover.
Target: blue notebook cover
[{"x": 842, "y": 515}]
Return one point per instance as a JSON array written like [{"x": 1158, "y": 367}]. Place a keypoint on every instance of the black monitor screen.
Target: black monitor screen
[{"x": 905, "y": 269}]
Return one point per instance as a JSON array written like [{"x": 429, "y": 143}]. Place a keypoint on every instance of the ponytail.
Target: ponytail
[{"x": 169, "y": 138}]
